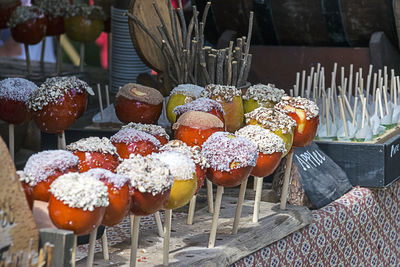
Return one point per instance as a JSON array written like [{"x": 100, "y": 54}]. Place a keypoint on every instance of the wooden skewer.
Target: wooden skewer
[
  {"x": 192, "y": 208},
  {"x": 296, "y": 91},
  {"x": 392, "y": 85},
  {"x": 239, "y": 207},
  {"x": 384, "y": 91},
  {"x": 214, "y": 225},
  {"x": 342, "y": 77},
  {"x": 355, "y": 110},
  {"x": 107, "y": 96},
  {"x": 43, "y": 51},
  {"x": 11, "y": 140},
  {"x": 50, "y": 248},
  {"x": 167, "y": 236},
  {"x": 257, "y": 200},
  {"x": 380, "y": 102},
  {"x": 350, "y": 82},
  {"x": 104, "y": 242},
  {"x": 210, "y": 196},
  {"x": 303, "y": 80},
  {"x": 40, "y": 259},
  {"x": 286, "y": 181},
  {"x": 327, "y": 116},
  {"x": 28, "y": 59},
  {"x": 82, "y": 57},
  {"x": 343, "y": 115},
  {"x": 291, "y": 91},
  {"x": 376, "y": 105},
  {"x": 59, "y": 55},
  {"x": 363, "y": 111},
  {"x": 135, "y": 224},
  {"x": 92, "y": 243},
  {"x": 157, "y": 218},
  {"x": 308, "y": 87},
  {"x": 100, "y": 101},
  {"x": 385, "y": 77},
  {"x": 61, "y": 140},
  {"x": 357, "y": 83},
  {"x": 368, "y": 87},
  {"x": 348, "y": 107},
  {"x": 374, "y": 87},
  {"x": 396, "y": 90},
  {"x": 323, "y": 108}
]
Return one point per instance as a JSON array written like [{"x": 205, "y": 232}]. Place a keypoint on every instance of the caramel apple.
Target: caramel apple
[
  {"x": 230, "y": 99},
  {"x": 118, "y": 195},
  {"x": 231, "y": 158},
  {"x": 277, "y": 122},
  {"x": 28, "y": 24},
  {"x": 43, "y": 168},
  {"x": 305, "y": 113},
  {"x": 78, "y": 202},
  {"x": 55, "y": 11},
  {"x": 84, "y": 23},
  {"x": 261, "y": 95},
  {"x": 58, "y": 103},
  {"x": 94, "y": 152},
  {"x": 150, "y": 182},
  {"x": 6, "y": 9},
  {"x": 130, "y": 141},
  {"x": 155, "y": 130},
  {"x": 270, "y": 148},
  {"x": 138, "y": 103},
  {"x": 193, "y": 153},
  {"x": 180, "y": 95},
  {"x": 204, "y": 105},
  {"x": 14, "y": 94},
  {"x": 183, "y": 170},
  {"x": 194, "y": 127}
]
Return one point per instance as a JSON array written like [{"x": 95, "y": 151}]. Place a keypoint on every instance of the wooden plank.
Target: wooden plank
[{"x": 62, "y": 241}]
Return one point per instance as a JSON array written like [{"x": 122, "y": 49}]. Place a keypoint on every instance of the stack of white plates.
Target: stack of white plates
[{"x": 125, "y": 62}]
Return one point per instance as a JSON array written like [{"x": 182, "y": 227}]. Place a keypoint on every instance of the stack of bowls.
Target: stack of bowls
[{"x": 125, "y": 62}]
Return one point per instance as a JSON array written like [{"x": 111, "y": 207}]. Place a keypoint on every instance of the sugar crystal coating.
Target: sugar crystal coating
[
  {"x": 55, "y": 8},
  {"x": 198, "y": 120},
  {"x": 222, "y": 149},
  {"x": 190, "y": 90},
  {"x": 80, "y": 190},
  {"x": 93, "y": 144},
  {"x": 146, "y": 174},
  {"x": 137, "y": 92},
  {"x": 264, "y": 92},
  {"x": 152, "y": 129},
  {"x": 129, "y": 135},
  {"x": 89, "y": 11},
  {"x": 181, "y": 166},
  {"x": 16, "y": 89},
  {"x": 54, "y": 88},
  {"x": 192, "y": 152},
  {"x": 117, "y": 180},
  {"x": 311, "y": 109},
  {"x": 24, "y": 13},
  {"x": 201, "y": 104},
  {"x": 44, "y": 164},
  {"x": 272, "y": 119},
  {"x": 266, "y": 141},
  {"x": 226, "y": 92}
]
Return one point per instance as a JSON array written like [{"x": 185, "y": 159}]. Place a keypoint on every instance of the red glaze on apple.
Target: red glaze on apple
[
  {"x": 195, "y": 127},
  {"x": 130, "y": 141},
  {"x": 55, "y": 11},
  {"x": 55, "y": 25},
  {"x": 27, "y": 189},
  {"x": 6, "y": 10},
  {"x": 138, "y": 103},
  {"x": 231, "y": 158},
  {"x": 144, "y": 204},
  {"x": 155, "y": 130}
]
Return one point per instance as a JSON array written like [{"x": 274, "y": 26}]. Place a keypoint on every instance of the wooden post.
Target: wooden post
[
  {"x": 257, "y": 199},
  {"x": 210, "y": 196},
  {"x": 214, "y": 225},
  {"x": 157, "y": 218},
  {"x": 167, "y": 235},
  {"x": 82, "y": 57},
  {"x": 135, "y": 224},
  {"x": 92, "y": 243},
  {"x": 11, "y": 140},
  {"x": 104, "y": 242},
  {"x": 286, "y": 181},
  {"x": 61, "y": 140},
  {"x": 28, "y": 59},
  {"x": 192, "y": 208},
  {"x": 62, "y": 240},
  {"x": 239, "y": 207}
]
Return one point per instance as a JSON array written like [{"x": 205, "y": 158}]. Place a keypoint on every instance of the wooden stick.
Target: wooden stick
[
  {"x": 92, "y": 243},
  {"x": 167, "y": 235},
  {"x": 28, "y": 59},
  {"x": 348, "y": 107},
  {"x": 157, "y": 218},
  {"x": 182, "y": 22},
  {"x": 104, "y": 242},
  {"x": 192, "y": 208},
  {"x": 323, "y": 108},
  {"x": 100, "y": 101},
  {"x": 210, "y": 196},
  {"x": 211, "y": 60},
  {"x": 376, "y": 106},
  {"x": 135, "y": 224},
  {"x": 303, "y": 80},
  {"x": 239, "y": 207},
  {"x": 396, "y": 90},
  {"x": 11, "y": 142},
  {"x": 73, "y": 254},
  {"x": 229, "y": 82},
  {"x": 61, "y": 140},
  {"x": 384, "y": 91},
  {"x": 107, "y": 96},
  {"x": 355, "y": 110},
  {"x": 286, "y": 180},
  {"x": 40, "y": 259},
  {"x": 82, "y": 57},
  {"x": 309, "y": 81},
  {"x": 357, "y": 81},
  {"x": 363, "y": 111},
  {"x": 374, "y": 87},
  {"x": 59, "y": 55},
  {"x": 391, "y": 85},
  {"x": 343, "y": 115},
  {"x": 234, "y": 72},
  {"x": 368, "y": 87},
  {"x": 385, "y": 77},
  {"x": 380, "y": 102},
  {"x": 291, "y": 91},
  {"x": 296, "y": 91},
  {"x": 220, "y": 66},
  {"x": 350, "y": 82},
  {"x": 43, "y": 51},
  {"x": 327, "y": 116},
  {"x": 257, "y": 199},
  {"x": 247, "y": 48},
  {"x": 214, "y": 225}
]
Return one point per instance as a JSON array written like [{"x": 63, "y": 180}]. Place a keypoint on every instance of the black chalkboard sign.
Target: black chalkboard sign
[{"x": 322, "y": 179}]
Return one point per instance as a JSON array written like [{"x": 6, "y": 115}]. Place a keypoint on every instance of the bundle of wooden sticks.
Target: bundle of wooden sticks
[{"x": 188, "y": 60}]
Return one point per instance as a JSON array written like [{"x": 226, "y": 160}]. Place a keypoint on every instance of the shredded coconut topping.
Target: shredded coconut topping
[
  {"x": 54, "y": 8},
  {"x": 226, "y": 92},
  {"x": 54, "y": 88},
  {"x": 16, "y": 89},
  {"x": 267, "y": 142},
  {"x": 190, "y": 90},
  {"x": 272, "y": 119},
  {"x": 89, "y": 11},
  {"x": 180, "y": 165},
  {"x": 137, "y": 92},
  {"x": 225, "y": 151},
  {"x": 93, "y": 144},
  {"x": 202, "y": 104},
  {"x": 117, "y": 180},
  {"x": 148, "y": 128},
  {"x": 129, "y": 135},
  {"x": 24, "y": 13},
  {"x": 192, "y": 152},
  {"x": 44, "y": 164},
  {"x": 198, "y": 120},
  {"x": 308, "y": 106},
  {"x": 80, "y": 191},
  {"x": 264, "y": 92},
  {"x": 147, "y": 174}
]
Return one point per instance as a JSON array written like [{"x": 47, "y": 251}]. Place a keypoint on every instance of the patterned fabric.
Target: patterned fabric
[{"x": 362, "y": 228}]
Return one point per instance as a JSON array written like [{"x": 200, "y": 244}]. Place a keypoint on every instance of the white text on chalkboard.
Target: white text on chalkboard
[
  {"x": 394, "y": 150},
  {"x": 310, "y": 160}
]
